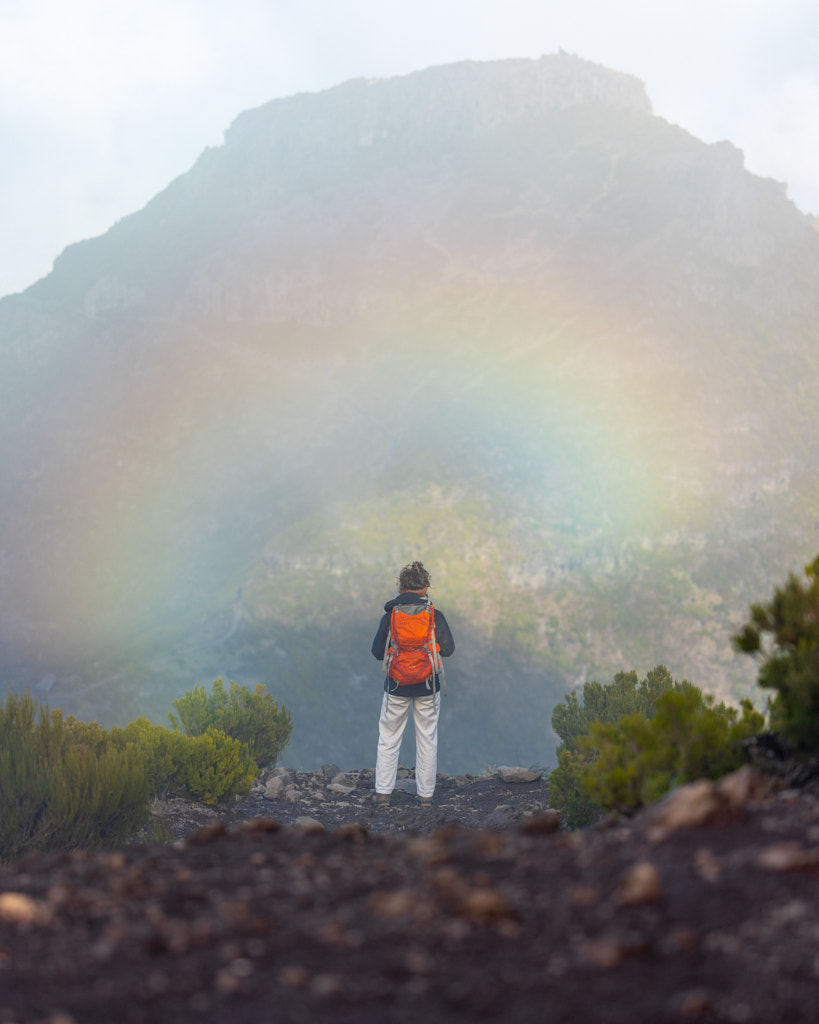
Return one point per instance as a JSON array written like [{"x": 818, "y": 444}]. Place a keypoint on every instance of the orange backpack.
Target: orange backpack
[{"x": 412, "y": 651}]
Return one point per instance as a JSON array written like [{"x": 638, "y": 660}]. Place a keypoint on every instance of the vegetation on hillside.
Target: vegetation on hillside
[
  {"x": 59, "y": 791},
  {"x": 67, "y": 784},
  {"x": 784, "y": 635},
  {"x": 629, "y": 742},
  {"x": 251, "y": 717}
]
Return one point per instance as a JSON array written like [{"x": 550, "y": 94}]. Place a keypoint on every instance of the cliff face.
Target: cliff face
[{"x": 496, "y": 316}]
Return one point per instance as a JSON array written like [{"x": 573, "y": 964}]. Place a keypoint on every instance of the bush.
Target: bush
[
  {"x": 210, "y": 767},
  {"x": 624, "y": 695},
  {"x": 637, "y": 760},
  {"x": 252, "y": 717},
  {"x": 606, "y": 703},
  {"x": 566, "y": 792},
  {"x": 216, "y": 767},
  {"x": 62, "y": 787},
  {"x": 163, "y": 752},
  {"x": 784, "y": 635}
]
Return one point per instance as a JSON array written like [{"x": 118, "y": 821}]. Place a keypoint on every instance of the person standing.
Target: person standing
[{"x": 412, "y": 638}]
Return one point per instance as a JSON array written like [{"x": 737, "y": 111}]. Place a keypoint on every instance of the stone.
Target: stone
[
  {"x": 342, "y": 784},
  {"x": 503, "y": 816},
  {"x": 706, "y": 865},
  {"x": 274, "y": 788},
  {"x": 308, "y": 824},
  {"x": 741, "y": 786},
  {"x": 329, "y": 771},
  {"x": 17, "y": 908},
  {"x": 404, "y": 785},
  {"x": 688, "y": 806},
  {"x": 518, "y": 774},
  {"x": 640, "y": 885},
  {"x": 787, "y": 856}
]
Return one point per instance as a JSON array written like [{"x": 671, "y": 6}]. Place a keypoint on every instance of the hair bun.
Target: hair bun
[{"x": 414, "y": 577}]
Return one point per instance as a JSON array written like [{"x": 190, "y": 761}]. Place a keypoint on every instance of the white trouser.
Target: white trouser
[{"x": 394, "y": 714}]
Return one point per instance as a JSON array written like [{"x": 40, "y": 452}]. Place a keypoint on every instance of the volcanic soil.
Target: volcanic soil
[{"x": 704, "y": 908}]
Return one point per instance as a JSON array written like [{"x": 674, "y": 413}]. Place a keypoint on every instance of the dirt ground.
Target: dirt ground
[
  {"x": 470, "y": 801},
  {"x": 703, "y": 909}
]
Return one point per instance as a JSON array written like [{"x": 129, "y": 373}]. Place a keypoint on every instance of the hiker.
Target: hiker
[{"x": 411, "y": 640}]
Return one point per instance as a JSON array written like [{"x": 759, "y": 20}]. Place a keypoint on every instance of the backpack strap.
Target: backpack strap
[
  {"x": 437, "y": 663},
  {"x": 388, "y": 652}
]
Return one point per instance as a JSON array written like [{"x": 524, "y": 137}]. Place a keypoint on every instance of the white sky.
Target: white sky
[{"x": 103, "y": 103}]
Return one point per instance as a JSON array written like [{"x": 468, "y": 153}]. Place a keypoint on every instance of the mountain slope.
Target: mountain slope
[{"x": 496, "y": 316}]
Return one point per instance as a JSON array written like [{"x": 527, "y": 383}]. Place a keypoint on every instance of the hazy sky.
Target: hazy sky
[{"x": 103, "y": 103}]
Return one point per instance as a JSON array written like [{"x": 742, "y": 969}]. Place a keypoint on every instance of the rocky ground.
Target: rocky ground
[
  {"x": 702, "y": 909},
  {"x": 330, "y": 797}
]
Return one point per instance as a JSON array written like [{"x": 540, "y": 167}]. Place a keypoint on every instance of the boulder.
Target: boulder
[
  {"x": 273, "y": 789},
  {"x": 517, "y": 774},
  {"x": 342, "y": 784}
]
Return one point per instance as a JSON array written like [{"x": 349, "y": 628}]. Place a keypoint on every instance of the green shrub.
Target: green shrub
[
  {"x": 571, "y": 720},
  {"x": 609, "y": 702},
  {"x": 635, "y": 761},
  {"x": 784, "y": 635},
  {"x": 210, "y": 767},
  {"x": 252, "y": 717},
  {"x": 163, "y": 751},
  {"x": 216, "y": 767},
  {"x": 566, "y": 792},
  {"x": 62, "y": 787}
]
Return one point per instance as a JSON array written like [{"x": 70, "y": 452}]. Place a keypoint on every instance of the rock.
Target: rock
[
  {"x": 741, "y": 786},
  {"x": 308, "y": 824},
  {"x": 686, "y": 807},
  {"x": 787, "y": 856},
  {"x": 503, "y": 816},
  {"x": 342, "y": 784},
  {"x": 21, "y": 909},
  {"x": 640, "y": 885},
  {"x": 518, "y": 774},
  {"x": 274, "y": 788},
  {"x": 329, "y": 771},
  {"x": 404, "y": 785},
  {"x": 404, "y": 773},
  {"x": 706, "y": 865}
]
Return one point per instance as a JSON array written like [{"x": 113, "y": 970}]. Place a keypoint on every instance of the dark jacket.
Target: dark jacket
[{"x": 443, "y": 636}]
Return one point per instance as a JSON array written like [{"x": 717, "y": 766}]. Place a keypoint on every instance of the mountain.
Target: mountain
[{"x": 496, "y": 316}]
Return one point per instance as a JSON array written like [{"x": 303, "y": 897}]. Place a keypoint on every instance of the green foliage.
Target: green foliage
[
  {"x": 629, "y": 742},
  {"x": 216, "y": 767},
  {"x": 163, "y": 753},
  {"x": 251, "y": 717},
  {"x": 637, "y": 760},
  {"x": 567, "y": 794},
  {"x": 624, "y": 695},
  {"x": 602, "y": 703},
  {"x": 784, "y": 635},
  {"x": 62, "y": 787},
  {"x": 66, "y": 784}
]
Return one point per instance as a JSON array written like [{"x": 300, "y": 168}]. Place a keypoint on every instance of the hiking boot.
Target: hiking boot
[
  {"x": 425, "y": 801},
  {"x": 381, "y": 799}
]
